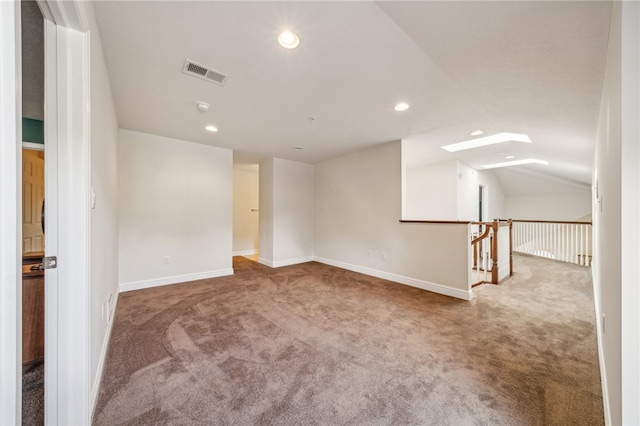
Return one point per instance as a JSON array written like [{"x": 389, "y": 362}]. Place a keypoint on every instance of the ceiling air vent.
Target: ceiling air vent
[{"x": 205, "y": 73}]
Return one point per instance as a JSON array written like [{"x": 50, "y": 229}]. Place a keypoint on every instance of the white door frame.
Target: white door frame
[
  {"x": 10, "y": 203},
  {"x": 67, "y": 183}
]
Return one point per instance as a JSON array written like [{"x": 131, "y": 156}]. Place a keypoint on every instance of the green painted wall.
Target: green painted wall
[{"x": 32, "y": 130}]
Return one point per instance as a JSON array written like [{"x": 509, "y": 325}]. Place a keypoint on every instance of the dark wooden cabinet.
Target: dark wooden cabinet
[{"x": 32, "y": 309}]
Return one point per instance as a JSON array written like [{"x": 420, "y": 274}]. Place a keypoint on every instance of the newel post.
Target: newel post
[
  {"x": 510, "y": 221},
  {"x": 494, "y": 251}
]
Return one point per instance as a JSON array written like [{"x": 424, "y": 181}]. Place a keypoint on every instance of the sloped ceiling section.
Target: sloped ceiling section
[{"x": 525, "y": 67}]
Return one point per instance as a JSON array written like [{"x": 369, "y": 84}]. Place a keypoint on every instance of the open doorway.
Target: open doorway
[
  {"x": 33, "y": 287},
  {"x": 33, "y": 224},
  {"x": 246, "y": 211},
  {"x": 483, "y": 204}
]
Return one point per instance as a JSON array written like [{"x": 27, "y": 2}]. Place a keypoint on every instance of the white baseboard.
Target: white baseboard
[
  {"x": 424, "y": 285},
  {"x": 245, "y": 252},
  {"x": 138, "y": 285},
  {"x": 603, "y": 371},
  {"x": 286, "y": 262},
  {"x": 97, "y": 381}
]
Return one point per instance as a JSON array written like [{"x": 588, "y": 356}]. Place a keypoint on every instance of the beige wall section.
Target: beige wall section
[
  {"x": 175, "y": 210},
  {"x": 571, "y": 206},
  {"x": 245, "y": 211},
  {"x": 104, "y": 214},
  {"x": 357, "y": 212},
  {"x": 430, "y": 192},
  {"x": 607, "y": 231}
]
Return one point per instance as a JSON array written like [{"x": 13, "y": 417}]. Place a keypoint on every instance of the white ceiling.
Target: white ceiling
[{"x": 523, "y": 67}]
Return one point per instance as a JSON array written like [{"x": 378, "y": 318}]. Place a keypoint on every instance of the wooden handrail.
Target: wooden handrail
[
  {"x": 562, "y": 222},
  {"x": 451, "y": 222},
  {"x": 481, "y": 237},
  {"x": 491, "y": 231}
]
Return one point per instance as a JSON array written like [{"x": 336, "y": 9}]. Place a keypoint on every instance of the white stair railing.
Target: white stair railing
[
  {"x": 491, "y": 251},
  {"x": 564, "y": 241}
]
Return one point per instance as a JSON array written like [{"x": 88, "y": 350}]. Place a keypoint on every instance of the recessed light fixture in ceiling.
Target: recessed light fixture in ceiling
[
  {"x": 509, "y": 157},
  {"x": 476, "y": 132},
  {"x": 401, "y": 106},
  {"x": 515, "y": 163},
  {"x": 296, "y": 148},
  {"x": 288, "y": 40},
  {"x": 203, "y": 106},
  {"x": 487, "y": 140},
  {"x": 211, "y": 128}
]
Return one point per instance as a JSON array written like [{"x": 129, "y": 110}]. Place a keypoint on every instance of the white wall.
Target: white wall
[
  {"x": 570, "y": 206},
  {"x": 357, "y": 211},
  {"x": 175, "y": 201},
  {"x": 607, "y": 231},
  {"x": 630, "y": 214},
  {"x": 293, "y": 211},
  {"x": 245, "y": 214},
  {"x": 266, "y": 211},
  {"x": 468, "y": 198},
  {"x": 286, "y": 221},
  {"x": 430, "y": 192},
  {"x": 495, "y": 202},
  {"x": 450, "y": 191},
  {"x": 104, "y": 216}
]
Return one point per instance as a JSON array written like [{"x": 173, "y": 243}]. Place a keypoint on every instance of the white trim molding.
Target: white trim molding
[
  {"x": 245, "y": 252},
  {"x": 424, "y": 285},
  {"x": 176, "y": 279},
  {"x": 74, "y": 224},
  {"x": 33, "y": 146},
  {"x": 603, "y": 370},
  {"x": 97, "y": 381},
  {"x": 286, "y": 262}
]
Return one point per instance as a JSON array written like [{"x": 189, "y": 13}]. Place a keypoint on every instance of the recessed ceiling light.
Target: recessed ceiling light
[
  {"x": 509, "y": 157},
  {"x": 296, "y": 148},
  {"x": 288, "y": 40},
  {"x": 211, "y": 128},
  {"x": 487, "y": 140},
  {"x": 515, "y": 163},
  {"x": 401, "y": 107},
  {"x": 476, "y": 132},
  {"x": 203, "y": 106}
]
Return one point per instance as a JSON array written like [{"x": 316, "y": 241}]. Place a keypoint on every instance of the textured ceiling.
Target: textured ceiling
[
  {"x": 32, "y": 61},
  {"x": 525, "y": 67}
]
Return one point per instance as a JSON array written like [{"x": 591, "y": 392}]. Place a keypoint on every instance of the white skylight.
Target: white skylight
[
  {"x": 487, "y": 140},
  {"x": 515, "y": 163}
]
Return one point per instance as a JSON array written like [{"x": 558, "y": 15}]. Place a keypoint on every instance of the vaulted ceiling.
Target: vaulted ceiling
[{"x": 522, "y": 67}]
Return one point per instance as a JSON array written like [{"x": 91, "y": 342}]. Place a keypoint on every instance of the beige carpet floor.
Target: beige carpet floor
[{"x": 311, "y": 344}]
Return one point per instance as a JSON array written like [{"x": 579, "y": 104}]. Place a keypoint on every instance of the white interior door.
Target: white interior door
[{"x": 32, "y": 199}]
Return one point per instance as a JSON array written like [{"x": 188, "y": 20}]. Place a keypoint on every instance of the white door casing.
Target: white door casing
[
  {"x": 67, "y": 150},
  {"x": 67, "y": 388}
]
